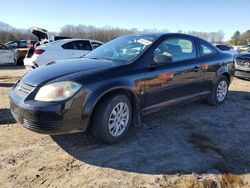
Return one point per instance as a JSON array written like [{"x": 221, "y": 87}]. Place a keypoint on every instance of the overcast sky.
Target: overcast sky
[{"x": 174, "y": 15}]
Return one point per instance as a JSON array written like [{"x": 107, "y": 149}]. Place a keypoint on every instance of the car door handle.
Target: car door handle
[{"x": 196, "y": 69}]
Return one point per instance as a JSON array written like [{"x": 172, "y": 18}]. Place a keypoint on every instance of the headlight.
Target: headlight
[{"x": 57, "y": 91}]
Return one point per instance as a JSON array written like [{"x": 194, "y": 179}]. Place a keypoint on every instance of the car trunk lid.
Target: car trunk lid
[{"x": 39, "y": 32}]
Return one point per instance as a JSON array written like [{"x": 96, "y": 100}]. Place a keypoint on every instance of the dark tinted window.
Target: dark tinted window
[
  {"x": 178, "y": 49},
  {"x": 206, "y": 49},
  {"x": 223, "y": 47},
  {"x": 70, "y": 46},
  {"x": 77, "y": 45},
  {"x": 95, "y": 44},
  {"x": 61, "y": 37},
  {"x": 83, "y": 45}
]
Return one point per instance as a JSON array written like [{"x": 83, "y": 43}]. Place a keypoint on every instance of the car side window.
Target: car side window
[
  {"x": 70, "y": 46},
  {"x": 95, "y": 44},
  {"x": 77, "y": 45},
  {"x": 206, "y": 49},
  {"x": 223, "y": 47},
  {"x": 83, "y": 45},
  {"x": 178, "y": 49}
]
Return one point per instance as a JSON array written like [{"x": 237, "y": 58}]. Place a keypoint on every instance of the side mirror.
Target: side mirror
[{"x": 162, "y": 59}]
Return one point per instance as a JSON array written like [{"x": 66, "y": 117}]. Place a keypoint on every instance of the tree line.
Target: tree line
[
  {"x": 240, "y": 38},
  {"x": 6, "y": 36},
  {"x": 213, "y": 37},
  {"x": 107, "y": 33},
  {"x": 8, "y": 33}
]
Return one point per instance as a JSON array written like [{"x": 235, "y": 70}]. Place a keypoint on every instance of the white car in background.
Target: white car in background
[
  {"x": 59, "y": 50},
  {"x": 237, "y": 48},
  {"x": 7, "y": 55}
]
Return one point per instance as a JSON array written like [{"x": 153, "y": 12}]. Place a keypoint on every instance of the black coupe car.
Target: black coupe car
[
  {"x": 112, "y": 86},
  {"x": 242, "y": 65}
]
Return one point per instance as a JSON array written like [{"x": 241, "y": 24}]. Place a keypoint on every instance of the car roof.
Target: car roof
[
  {"x": 160, "y": 34},
  {"x": 221, "y": 44},
  {"x": 76, "y": 39},
  {"x": 58, "y": 43}
]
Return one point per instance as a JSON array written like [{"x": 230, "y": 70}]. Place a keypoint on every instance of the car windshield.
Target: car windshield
[{"x": 124, "y": 49}]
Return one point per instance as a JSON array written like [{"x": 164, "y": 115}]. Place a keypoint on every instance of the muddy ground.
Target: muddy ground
[{"x": 195, "y": 145}]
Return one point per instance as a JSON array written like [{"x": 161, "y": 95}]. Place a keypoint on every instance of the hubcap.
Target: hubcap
[
  {"x": 221, "y": 91},
  {"x": 118, "y": 119}
]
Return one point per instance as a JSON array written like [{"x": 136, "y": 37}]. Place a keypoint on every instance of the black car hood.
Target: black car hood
[
  {"x": 63, "y": 68},
  {"x": 243, "y": 56}
]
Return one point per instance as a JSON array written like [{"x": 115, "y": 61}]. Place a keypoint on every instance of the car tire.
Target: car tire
[
  {"x": 219, "y": 91},
  {"x": 20, "y": 61},
  {"x": 112, "y": 118},
  {"x": 15, "y": 62}
]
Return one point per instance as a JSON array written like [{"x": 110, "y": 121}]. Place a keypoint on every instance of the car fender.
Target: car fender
[
  {"x": 97, "y": 94},
  {"x": 222, "y": 70}
]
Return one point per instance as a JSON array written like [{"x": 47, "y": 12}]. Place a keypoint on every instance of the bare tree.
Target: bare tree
[
  {"x": 104, "y": 34},
  {"x": 213, "y": 37},
  {"x": 8, "y": 33}
]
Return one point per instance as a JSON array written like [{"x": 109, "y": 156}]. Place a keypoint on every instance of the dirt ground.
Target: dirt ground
[{"x": 195, "y": 145}]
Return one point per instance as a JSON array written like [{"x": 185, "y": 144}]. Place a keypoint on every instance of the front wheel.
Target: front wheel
[
  {"x": 112, "y": 118},
  {"x": 219, "y": 91}
]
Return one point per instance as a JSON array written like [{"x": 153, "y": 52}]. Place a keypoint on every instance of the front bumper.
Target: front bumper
[
  {"x": 29, "y": 64},
  {"x": 242, "y": 74},
  {"x": 50, "y": 117}
]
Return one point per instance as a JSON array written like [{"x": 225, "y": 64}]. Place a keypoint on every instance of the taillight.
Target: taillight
[
  {"x": 38, "y": 52},
  {"x": 30, "y": 46}
]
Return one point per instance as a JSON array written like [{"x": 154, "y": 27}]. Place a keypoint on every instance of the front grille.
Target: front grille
[
  {"x": 41, "y": 125},
  {"x": 242, "y": 74},
  {"x": 23, "y": 89},
  {"x": 243, "y": 63}
]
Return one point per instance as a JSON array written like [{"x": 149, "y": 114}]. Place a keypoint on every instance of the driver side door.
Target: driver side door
[{"x": 173, "y": 82}]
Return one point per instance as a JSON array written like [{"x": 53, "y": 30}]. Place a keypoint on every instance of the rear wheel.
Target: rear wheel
[
  {"x": 15, "y": 61},
  {"x": 112, "y": 118},
  {"x": 20, "y": 61},
  {"x": 219, "y": 92}
]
